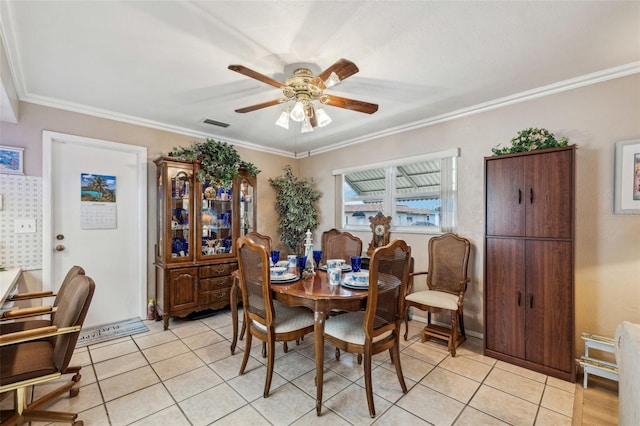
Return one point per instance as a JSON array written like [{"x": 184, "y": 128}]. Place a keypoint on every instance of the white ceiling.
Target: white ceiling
[{"x": 164, "y": 63}]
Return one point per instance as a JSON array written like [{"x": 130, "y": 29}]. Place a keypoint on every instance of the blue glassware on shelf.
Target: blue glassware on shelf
[
  {"x": 300, "y": 262},
  {"x": 317, "y": 255}
]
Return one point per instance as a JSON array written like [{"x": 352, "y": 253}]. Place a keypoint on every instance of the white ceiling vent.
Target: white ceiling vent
[{"x": 215, "y": 123}]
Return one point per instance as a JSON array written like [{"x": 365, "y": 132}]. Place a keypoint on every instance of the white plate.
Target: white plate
[
  {"x": 345, "y": 268},
  {"x": 284, "y": 278},
  {"x": 348, "y": 280}
]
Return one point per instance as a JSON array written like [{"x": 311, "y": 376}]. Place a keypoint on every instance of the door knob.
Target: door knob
[{"x": 59, "y": 247}]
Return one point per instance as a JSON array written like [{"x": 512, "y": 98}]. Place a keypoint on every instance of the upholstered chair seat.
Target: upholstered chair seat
[{"x": 436, "y": 299}]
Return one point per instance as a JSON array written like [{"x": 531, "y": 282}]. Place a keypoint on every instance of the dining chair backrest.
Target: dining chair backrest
[
  {"x": 72, "y": 310},
  {"x": 326, "y": 235},
  {"x": 343, "y": 246},
  {"x": 448, "y": 260},
  {"x": 255, "y": 281},
  {"x": 73, "y": 271},
  {"x": 388, "y": 278},
  {"x": 258, "y": 238}
]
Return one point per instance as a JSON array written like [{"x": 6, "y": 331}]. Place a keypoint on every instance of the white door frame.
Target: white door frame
[{"x": 48, "y": 138}]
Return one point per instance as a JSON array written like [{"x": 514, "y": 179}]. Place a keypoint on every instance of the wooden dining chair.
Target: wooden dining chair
[
  {"x": 446, "y": 284},
  {"x": 41, "y": 355},
  {"x": 377, "y": 328},
  {"x": 264, "y": 240},
  {"x": 325, "y": 237},
  {"x": 268, "y": 321},
  {"x": 343, "y": 246}
]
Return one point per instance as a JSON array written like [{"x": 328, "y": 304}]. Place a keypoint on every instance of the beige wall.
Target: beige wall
[
  {"x": 595, "y": 117},
  {"x": 34, "y": 119},
  {"x": 607, "y": 266}
]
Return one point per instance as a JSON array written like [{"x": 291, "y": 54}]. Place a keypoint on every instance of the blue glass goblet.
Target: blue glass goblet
[
  {"x": 301, "y": 261},
  {"x": 356, "y": 262},
  {"x": 275, "y": 256},
  {"x": 317, "y": 255}
]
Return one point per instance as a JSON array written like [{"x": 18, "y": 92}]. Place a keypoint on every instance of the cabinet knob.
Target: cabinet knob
[{"x": 60, "y": 247}]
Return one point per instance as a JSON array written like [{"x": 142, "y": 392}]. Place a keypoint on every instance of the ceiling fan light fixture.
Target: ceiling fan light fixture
[
  {"x": 306, "y": 126},
  {"x": 322, "y": 116},
  {"x": 283, "y": 120},
  {"x": 297, "y": 113},
  {"x": 332, "y": 80}
]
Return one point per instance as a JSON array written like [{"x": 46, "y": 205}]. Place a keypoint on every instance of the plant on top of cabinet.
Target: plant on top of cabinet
[
  {"x": 295, "y": 205},
  {"x": 530, "y": 140},
  {"x": 220, "y": 163}
]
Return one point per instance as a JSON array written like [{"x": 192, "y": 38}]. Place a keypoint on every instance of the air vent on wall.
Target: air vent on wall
[{"x": 215, "y": 123}]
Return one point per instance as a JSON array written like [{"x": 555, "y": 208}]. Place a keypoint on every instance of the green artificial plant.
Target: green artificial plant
[
  {"x": 295, "y": 205},
  {"x": 220, "y": 163},
  {"x": 530, "y": 140}
]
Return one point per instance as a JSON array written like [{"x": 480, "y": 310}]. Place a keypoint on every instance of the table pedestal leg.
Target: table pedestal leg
[{"x": 318, "y": 331}]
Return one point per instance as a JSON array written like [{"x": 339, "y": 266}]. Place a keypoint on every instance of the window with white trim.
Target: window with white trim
[{"x": 419, "y": 193}]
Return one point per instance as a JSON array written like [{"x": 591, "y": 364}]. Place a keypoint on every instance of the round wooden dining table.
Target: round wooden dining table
[{"x": 316, "y": 294}]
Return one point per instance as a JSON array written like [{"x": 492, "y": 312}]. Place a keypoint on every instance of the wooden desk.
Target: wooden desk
[{"x": 317, "y": 295}]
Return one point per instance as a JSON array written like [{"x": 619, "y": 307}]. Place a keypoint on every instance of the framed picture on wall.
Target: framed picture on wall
[
  {"x": 626, "y": 195},
  {"x": 11, "y": 160}
]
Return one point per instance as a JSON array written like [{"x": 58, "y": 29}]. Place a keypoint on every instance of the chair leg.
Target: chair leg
[
  {"x": 264, "y": 350},
  {"x": 453, "y": 338},
  {"x": 285, "y": 347},
  {"x": 367, "y": 382},
  {"x": 394, "y": 353},
  {"x": 461, "y": 322},
  {"x": 337, "y": 354},
  {"x": 247, "y": 349},
  {"x": 406, "y": 323},
  {"x": 243, "y": 329},
  {"x": 359, "y": 359},
  {"x": 270, "y": 361}
]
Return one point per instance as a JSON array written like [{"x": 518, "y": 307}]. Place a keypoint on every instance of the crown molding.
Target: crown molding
[{"x": 551, "y": 89}]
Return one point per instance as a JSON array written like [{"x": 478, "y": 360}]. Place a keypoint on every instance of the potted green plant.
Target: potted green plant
[
  {"x": 220, "y": 163},
  {"x": 295, "y": 205},
  {"x": 530, "y": 140}
]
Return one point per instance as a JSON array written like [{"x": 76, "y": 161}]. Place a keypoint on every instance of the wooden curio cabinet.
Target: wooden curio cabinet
[
  {"x": 529, "y": 260},
  {"x": 198, "y": 226}
]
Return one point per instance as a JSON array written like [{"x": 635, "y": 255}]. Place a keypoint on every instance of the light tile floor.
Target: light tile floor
[{"x": 187, "y": 376}]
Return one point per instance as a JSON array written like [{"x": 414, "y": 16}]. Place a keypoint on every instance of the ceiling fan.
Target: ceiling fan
[{"x": 304, "y": 88}]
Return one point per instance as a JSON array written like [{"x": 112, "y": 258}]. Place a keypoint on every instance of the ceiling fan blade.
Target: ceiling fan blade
[
  {"x": 259, "y": 106},
  {"x": 254, "y": 74},
  {"x": 343, "y": 68},
  {"x": 352, "y": 104},
  {"x": 314, "y": 121}
]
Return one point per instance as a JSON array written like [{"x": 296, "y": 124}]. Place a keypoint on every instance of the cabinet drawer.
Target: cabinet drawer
[
  {"x": 216, "y": 299},
  {"x": 212, "y": 284},
  {"x": 218, "y": 270}
]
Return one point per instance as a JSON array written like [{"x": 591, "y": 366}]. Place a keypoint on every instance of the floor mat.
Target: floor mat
[{"x": 103, "y": 333}]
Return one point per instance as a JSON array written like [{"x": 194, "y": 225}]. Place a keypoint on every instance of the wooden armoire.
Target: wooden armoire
[{"x": 529, "y": 260}]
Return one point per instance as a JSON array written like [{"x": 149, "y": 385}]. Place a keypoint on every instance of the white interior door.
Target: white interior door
[{"x": 107, "y": 239}]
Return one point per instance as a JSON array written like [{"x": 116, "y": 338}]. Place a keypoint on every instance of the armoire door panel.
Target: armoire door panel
[
  {"x": 505, "y": 202},
  {"x": 505, "y": 296},
  {"x": 549, "y": 305},
  {"x": 548, "y": 191}
]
